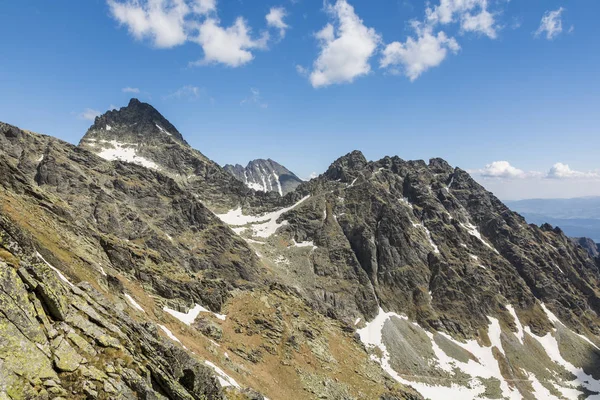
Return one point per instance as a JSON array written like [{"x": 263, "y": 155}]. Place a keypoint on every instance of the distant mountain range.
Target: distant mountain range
[{"x": 577, "y": 217}]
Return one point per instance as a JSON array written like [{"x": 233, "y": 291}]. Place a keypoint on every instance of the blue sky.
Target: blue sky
[{"x": 505, "y": 89}]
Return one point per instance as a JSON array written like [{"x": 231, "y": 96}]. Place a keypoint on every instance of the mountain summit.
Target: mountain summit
[
  {"x": 136, "y": 122},
  {"x": 265, "y": 176}
]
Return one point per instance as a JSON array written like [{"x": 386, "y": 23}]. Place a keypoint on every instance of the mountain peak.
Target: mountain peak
[
  {"x": 265, "y": 176},
  {"x": 135, "y": 123},
  {"x": 346, "y": 166}
]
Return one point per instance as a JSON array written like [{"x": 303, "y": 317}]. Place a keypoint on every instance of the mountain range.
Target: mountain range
[
  {"x": 133, "y": 266},
  {"x": 577, "y": 217}
]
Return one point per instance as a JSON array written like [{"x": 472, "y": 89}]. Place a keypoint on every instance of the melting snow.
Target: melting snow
[
  {"x": 472, "y": 229},
  {"x": 60, "y": 275},
  {"x": 169, "y": 333},
  {"x": 304, "y": 244},
  {"x": 263, "y": 225},
  {"x": 163, "y": 130},
  {"x": 520, "y": 333},
  {"x": 189, "y": 317},
  {"x": 224, "y": 379},
  {"x": 108, "y": 127},
  {"x": 125, "y": 152},
  {"x": 487, "y": 367},
  {"x": 431, "y": 242},
  {"x": 134, "y": 303}
]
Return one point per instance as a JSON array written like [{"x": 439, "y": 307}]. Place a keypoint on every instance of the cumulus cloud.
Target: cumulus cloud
[
  {"x": 162, "y": 21},
  {"x": 551, "y": 24},
  {"x": 89, "y": 114},
  {"x": 203, "y": 7},
  {"x": 417, "y": 55},
  {"x": 275, "y": 19},
  {"x": 230, "y": 46},
  {"x": 169, "y": 23},
  {"x": 130, "y": 90},
  {"x": 430, "y": 46},
  {"x": 482, "y": 23},
  {"x": 346, "y": 45},
  {"x": 472, "y": 15},
  {"x": 563, "y": 171},
  {"x": 255, "y": 98},
  {"x": 502, "y": 169}
]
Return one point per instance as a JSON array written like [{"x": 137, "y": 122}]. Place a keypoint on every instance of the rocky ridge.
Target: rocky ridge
[
  {"x": 375, "y": 276},
  {"x": 143, "y": 244}
]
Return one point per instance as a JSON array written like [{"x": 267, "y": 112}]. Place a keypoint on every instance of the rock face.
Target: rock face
[
  {"x": 265, "y": 176},
  {"x": 589, "y": 245},
  {"x": 118, "y": 277}
]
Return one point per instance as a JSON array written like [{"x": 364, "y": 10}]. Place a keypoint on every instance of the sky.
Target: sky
[{"x": 505, "y": 89}]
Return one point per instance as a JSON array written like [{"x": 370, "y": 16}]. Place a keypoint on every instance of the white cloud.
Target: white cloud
[
  {"x": 302, "y": 70},
  {"x": 89, "y": 114},
  {"x": 415, "y": 56},
  {"x": 163, "y": 21},
  {"x": 230, "y": 46},
  {"x": 203, "y": 7},
  {"x": 483, "y": 23},
  {"x": 185, "y": 92},
  {"x": 311, "y": 176},
  {"x": 130, "y": 90},
  {"x": 275, "y": 19},
  {"x": 169, "y": 23},
  {"x": 551, "y": 24},
  {"x": 345, "y": 48},
  {"x": 563, "y": 171},
  {"x": 472, "y": 15},
  {"x": 502, "y": 169},
  {"x": 255, "y": 98}
]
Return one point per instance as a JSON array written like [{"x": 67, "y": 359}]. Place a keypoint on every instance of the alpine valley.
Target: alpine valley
[{"x": 133, "y": 266}]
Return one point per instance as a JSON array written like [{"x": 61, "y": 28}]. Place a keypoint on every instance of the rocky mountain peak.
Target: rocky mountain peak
[
  {"x": 265, "y": 176},
  {"x": 134, "y": 123},
  {"x": 346, "y": 166}
]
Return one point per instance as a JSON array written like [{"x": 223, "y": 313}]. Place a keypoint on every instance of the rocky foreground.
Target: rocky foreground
[{"x": 133, "y": 266}]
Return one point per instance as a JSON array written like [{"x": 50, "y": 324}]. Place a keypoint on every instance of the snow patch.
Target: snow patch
[
  {"x": 125, "y": 152},
  {"x": 473, "y": 231},
  {"x": 520, "y": 332},
  {"x": 169, "y": 333},
  {"x": 189, "y": 317},
  {"x": 60, "y": 275},
  {"x": 134, "y": 303},
  {"x": 224, "y": 379},
  {"x": 263, "y": 225},
  {"x": 431, "y": 242},
  {"x": 163, "y": 130}
]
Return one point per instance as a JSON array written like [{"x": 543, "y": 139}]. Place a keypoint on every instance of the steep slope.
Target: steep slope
[
  {"x": 477, "y": 302},
  {"x": 265, "y": 176},
  {"x": 144, "y": 287}
]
